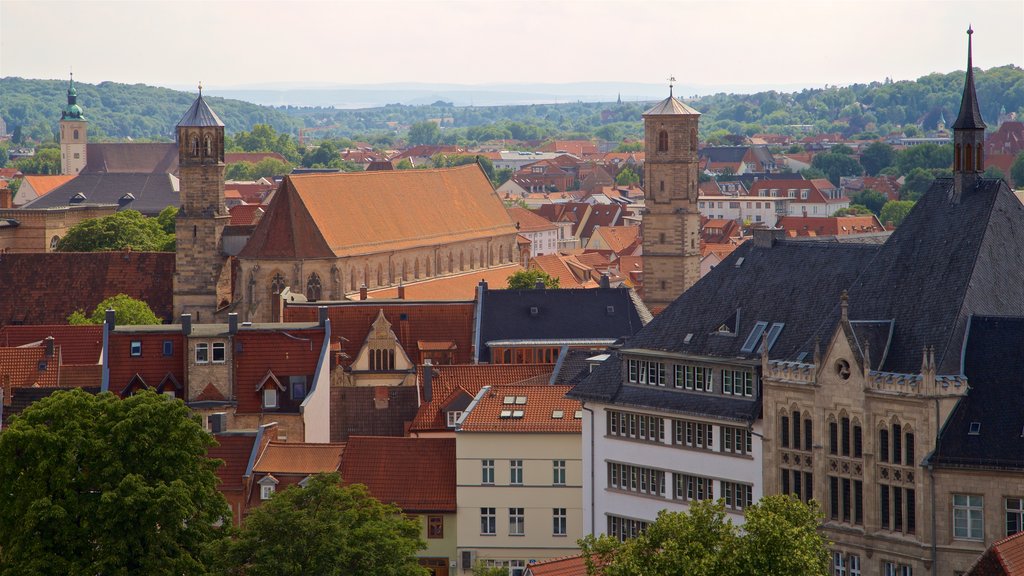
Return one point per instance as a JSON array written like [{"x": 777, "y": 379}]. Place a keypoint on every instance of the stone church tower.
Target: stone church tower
[
  {"x": 671, "y": 222},
  {"x": 199, "y": 265},
  {"x": 73, "y": 130}
]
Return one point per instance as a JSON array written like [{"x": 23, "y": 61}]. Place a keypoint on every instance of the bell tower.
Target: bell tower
[
  {"x": 968, "y": 135},
  {"x": 73, "y": 134},
  {"x": 671, "y": 222},
  {"x": 199, "y": 264}
]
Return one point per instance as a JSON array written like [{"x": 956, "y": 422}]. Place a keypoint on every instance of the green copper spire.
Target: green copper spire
[{"x": 72, "y": 111}]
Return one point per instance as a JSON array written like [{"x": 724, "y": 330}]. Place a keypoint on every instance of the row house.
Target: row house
[
  {"x": 544, "y": 176},
  {"x": 748, "y": 209},
  {"x": 804, "y": 197},
  {"x": 736, "y": 160}
]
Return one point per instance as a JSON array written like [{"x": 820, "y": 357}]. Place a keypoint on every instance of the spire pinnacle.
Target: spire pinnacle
[
  {"x": 200, "y": 87},
  {"x": 671, "y": 81},
  {"x": 970, "y": 114}
]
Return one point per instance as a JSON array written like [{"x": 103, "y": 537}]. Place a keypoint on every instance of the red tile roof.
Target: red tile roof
[
  {"x": 417, "y": 474},
  {"x": 152, "y": 366},
  {"x": 20, "y": 368},
  {"x": 568, "y": 566},
  {"x": 250, "y": 192},
  {"x": 1004, "y": 558},
  {"x": 336, "y": 215},
  {"x": 52, "y": 285},
  {"x": 299, "y": 458},
  {"x": 830, "y": 226},
  {"x": 546, "y": 409},
  {"x": 468, "y": 378},
  {"x": 235, "y": 450},
  {"x": 528, "y": 221},
  {"x": 570, "y": 272},
  {"x": 43, "y": 184},
  {"x": 458, "y": 287},
  {"x": 80, "y": 344},
  {"x": 245, "y": 214},
  {"x": 619, "y": 239},
  {"x": 411, "y": 321},
  {"x": 285, "y": 352}
]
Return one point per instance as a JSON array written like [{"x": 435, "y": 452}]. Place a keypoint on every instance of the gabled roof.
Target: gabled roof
[
  {"x": 280, "y": 349},
  {"x": 200, "y": 114},
  {"x": 44, "y": 184},
  {"x": 457, "y": 287},
  {"x": 1004, "y": 558},
  {"x": 236, "y": 450},
  {"x": 416, "y": 474},
  {"x": 556, "y": 266},
  {"x": 50, "y": 286},
  {"x": 336, "y": 215},
  {"x": 469, "y": 378},
  {"x": 79, "y": 344},
  {"x": 371, "y": 411},
  {"x": 26, "y": 368},
  {"x": 568, "y": 566},
  {"x": 670, "y": 106},
  {"x": 131, "y": 158},
  {"x": 523, "y": 408},
  {"x": 528, "y": 220},
  {"x": 245, "y": 214},
  {"x": 147, "y": 193},
  {"x": 829, "y": 226},
  {"x": 299, "y": 458},
  {"x": 596, "y": 314},
  {"x": 619, "y": 239}
]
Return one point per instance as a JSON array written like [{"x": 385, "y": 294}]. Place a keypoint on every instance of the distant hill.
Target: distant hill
[
  {"x": 139, "y": 111},
  {"x": 119, "y": 111}
]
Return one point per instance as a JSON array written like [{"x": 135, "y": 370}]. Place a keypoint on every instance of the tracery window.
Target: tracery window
[{"x": 313, "y": 287}]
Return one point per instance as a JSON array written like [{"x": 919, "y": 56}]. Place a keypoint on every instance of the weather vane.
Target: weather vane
[{"x": 671, "y": 81}]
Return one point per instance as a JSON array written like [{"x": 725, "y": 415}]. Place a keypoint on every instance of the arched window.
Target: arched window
[
  {"x": 969, "y": 157},
  {"x": 981, "y": 159},
  {"x": 661, "y": 186},
  {"x": 209, "y": 146},
  {"x": 351, "y": 280},
  {"x": 277, "y": 284},
  {"x": 313, "y": 288},
  {"x": 462, "y": 260},
  {"x": 501, "y": 254},
  {"x": 195, "y": 146},
  {"x": 957, "y": 160},
  {"x": 427, "y": 271},
  {"x": 451, "y": 263},
  {"x": 53, "y": 242},
  {"x": 380, "y": 275},
  {"x": 76, "y": 134},
  {"x": 382, "y": 359},
  {"x": 663, "y": 141},
  {"x": 416, "y": 268}
]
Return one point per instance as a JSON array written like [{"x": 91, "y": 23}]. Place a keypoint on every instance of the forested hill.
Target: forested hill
[
  {"x": 118, "y": 111},
  {"x": 139, "y": 111}
]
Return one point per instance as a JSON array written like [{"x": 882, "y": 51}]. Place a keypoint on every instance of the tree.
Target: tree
[
  {"x": 263, "y": 138},
  {"x": 836, "y": 165},
  {"x": 895, "y": 211},
  {"x": 94, "y": 484},
  {"x": 527, "y": 279},
  {"x": 870, "y": 199},
  {"x": 127, "y": 311},
  {"x": 853, "y": 210},
  {"x": 876, "y": 157},
  {"x": 45, "y": 161},
  {"x": 994, "y": 172},
  {"x": 324, "y": 529},
  {"x": 630, "y": 147},
  {"x": 925, "y": 156},
  {"x": 125, "y": 229},
  {"x": 425, "y": 132},
  {"x": 1017, "y": 170},
  {"x": 916, "y": 184},
  {"x": 626, "y": 177},
  {"x": 779, "y": 537},
  {"x": 167, "y": 218}
]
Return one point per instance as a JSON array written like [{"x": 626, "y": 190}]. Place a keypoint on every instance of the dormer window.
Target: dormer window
[
  {"x": 268, "y": 486},
  {"x": 453, "y": 417},
  {"x": 270, "y": 397}
]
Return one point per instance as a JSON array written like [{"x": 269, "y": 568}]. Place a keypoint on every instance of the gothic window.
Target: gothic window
[
  {"x": 957, "y": 165},
  {"x": 416, "y": 268},
  {"x": 981, "y": 163},
  {"x": 501, "y": 254},
  {"x": 451, "y": 262},
  {"x": 313, "y": 288},
  {"x": 661, "y": 186},
  {"x": 53, "y": 242},
  {"x": 195, "y": 145},
  {"x": 969, "y": 167},
  {"x": 380, "y": 275},
  {"x": 277, "y": 284},
  {"x": 663, "y": 141},
  {"x": 382, "y": 359},
  {"x": 351, "y": 280},
  {"x": 462, "y": 260},
  {"x": 405, "y": 270},
  {"x": 209, "y": 146},
  {"x": 428, "y": 268}
]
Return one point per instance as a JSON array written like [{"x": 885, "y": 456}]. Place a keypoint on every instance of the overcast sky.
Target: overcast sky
[{"x": 228, "y": 43}]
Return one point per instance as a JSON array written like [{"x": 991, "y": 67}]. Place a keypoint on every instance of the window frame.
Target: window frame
[
  {"x": 559, "y": 522},
  {"x": 214, "y": 348},
  {"x": 515, "y": 472},
  {"x": 558, "y": 472},
  {"x": 435, "y": 526},
  {"x": 135, "y": 348},
  {"x": 487, "y": 472},
  {"x": 271, "y": 397},
  {"x": 517, "y": 521},
  {"x": 488, "y": 521},
  {"x": 205, "y": 357},
  {"x": 971, "y": 511}
]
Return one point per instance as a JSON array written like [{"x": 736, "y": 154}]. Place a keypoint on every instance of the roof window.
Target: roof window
[
  {"x": 739, "y": 262},
  {"x": 975, "y": 429},
  {"x": 557, "y": 414},
  {"x": 578, "y": 415},
  {"x": 505, "y": 414},
  {"x": 754, "y": 337},
  {"x": 521, "y": 400},
  {"x": 509, "y": 400},
  {"x": 773, "y": 335},
  {"x": 689, "y": 336},
  {"x": 517, "y": 413}
]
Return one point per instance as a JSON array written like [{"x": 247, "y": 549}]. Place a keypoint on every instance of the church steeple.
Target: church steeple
[
  {"x": 73, "y": 134},
  {"x": 968, "y": 134}
]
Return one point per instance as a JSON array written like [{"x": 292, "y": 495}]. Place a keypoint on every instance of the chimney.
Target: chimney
[
  {"x": 766, "y": 237},
  {"x": 186, "y": 324},
  {"x": 362, "y": 292},
  {"x": 110, "y": 319},
  {"x": 6, "y": 198},
  {"x": 233, "y": 323},
  {"x": 401, "y": 291},
  {"x": 218, "y": 422},
  {"x": 605, "y": 281},
  {"x": 49, "y": 346},
  {"x": 428, "y": 380},
  {"x": 539, "y": 285},
  {"x": 483, "y": 285},
  {"x": 321, "y": 315}
]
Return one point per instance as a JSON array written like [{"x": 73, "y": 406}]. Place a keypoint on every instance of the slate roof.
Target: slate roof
[
  {"x": 416, "y": 474},
  {"x": 523, "y": 408},
  {"x": 200, "y": 114},
  {"x": 727, "y": 154},
  {"x": 50, "y": 286},
  {"x": 994, "y": 365},
  {"x": 357, "y": 213},
  {"x": 354, "y": 411},
  {"x": 587, "y": 314},
  {"x": 131, "y": 158},
  {"x": 299, "y": 458},
  {"x": 148, "y": 193},
  {"x": 670, "y": 106},
  {"x": 969, "y": 117}
]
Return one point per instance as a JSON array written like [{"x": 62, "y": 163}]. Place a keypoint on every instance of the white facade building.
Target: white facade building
[{"x": 752, "y": 209}]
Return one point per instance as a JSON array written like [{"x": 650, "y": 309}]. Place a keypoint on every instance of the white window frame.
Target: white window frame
[
  {"x": 266, "y": 491},
  {"x": 515, "y": 472},
  {"x": 559, "y": 522},
  {"x": 223, "y": 353},
  {"x": 487, "y": 472},
  {"x": 488, "y": 521},
  {"x": 517, "y": 521},
  {"x": 204, "y": 358},
  {"x": 558, "y": 472},
  {"x": 969, "y": 510},
  {"x": 136, "y": 348},
  {"x": 1014, "y": 514},
  {"x": 270, "y": 399},
  {"x": 453, "y": 417}
]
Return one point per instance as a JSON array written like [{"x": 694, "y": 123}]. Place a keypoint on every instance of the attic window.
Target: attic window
[
  {"x": 754, "y": 337},
  {"x": 517, "y": 413},
  {"x": 610, "y": 310},
  {"x": 534, "y": 311},
  {"x": 689, "y": 337},
  {"x": 509, "y": 400},
  {"x": 521, "y": 400},
  {"x": 578, "y": 415},
  {"x": 42, "y": 365},
  {"x": 773, "y": 335},
  {"x": 77, "y": 198},
  {"x": 505, "y": 414},
  {"x": 975, "y": 429},
  {"x": 739, "y": 262},
  {"x": 136, "y": 348},
  {"x": 557, "y": 414},
  {"x": 126, "y": 198},
  {"x": 801, "y": 357}
]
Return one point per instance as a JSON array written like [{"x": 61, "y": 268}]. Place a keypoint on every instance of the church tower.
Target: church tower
[
  {"x": 199, "y": 264},
  {"x": 968, "y": 135},
  {"x": 73, "y": 130},
  {"x": 671, "y": 222}
]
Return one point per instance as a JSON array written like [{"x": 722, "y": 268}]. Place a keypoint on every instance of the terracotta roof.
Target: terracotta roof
[
  {"x": 528, "y": 220},
  {"x": 568, "y": 566},
  {"x": 411, "y": 321},
  {"x": 253, "y": 157},
  {"x": 324, "y": 215},
  {"x": 619, "y": 239},
  {"x": 360, "y": 411},
  {"x": 598, "y": 215},
  {"x": 829, "y": 226},
  {"x": 151, "y": 365},
  {"x": 596, "y": 260},
  {"x": 245, "y": 214},
  {"x": 9, "y": 173},
  {"x": 20, "y": 368},
  {"x": 43, "y": 184},
  {"x": 52, "y": 285},
  {"x": 459, "y": 287},
  {"x": 80, "y": 344},
  {"x": 546, "y": 409},
  {"x": 80, "y": 375},
  {"x": 251, "y": 192},
  {"x": 296, "y": 458},
  {"x": 236, "y": 451},
  {"x": 570, "y": 272},
  {"x": 416, "y": 474},
  {"x": 468, "y": 378},
  {"x": 284, "y": 351},
  {"x": 1004, "y": 558}
]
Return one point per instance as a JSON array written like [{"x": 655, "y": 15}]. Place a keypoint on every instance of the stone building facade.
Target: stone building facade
[{"x": 671, "y": 221}]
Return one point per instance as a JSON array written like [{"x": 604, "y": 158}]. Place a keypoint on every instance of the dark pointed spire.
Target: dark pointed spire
[
  {"x": 200, "y": 113},
  {"x": 970, "y": 114}
]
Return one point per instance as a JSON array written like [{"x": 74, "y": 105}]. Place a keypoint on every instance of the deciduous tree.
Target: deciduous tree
[
  {"x": 1017, "y": 170},
  {"x": 127, "y": 310},
  {"x": 876, "y": 157},
  {"x": 527, "y": 279},
  {"x": 895, "y": 211},
  {"x": 870, "y": 199},
  {"x": 125, "y": 229},
  {"x": 99, "y": 485}
]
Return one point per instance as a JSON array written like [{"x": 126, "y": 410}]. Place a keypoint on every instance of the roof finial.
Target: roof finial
[
  {"x": 200, "y": 87},
  {"x": 671, "y": 81}
]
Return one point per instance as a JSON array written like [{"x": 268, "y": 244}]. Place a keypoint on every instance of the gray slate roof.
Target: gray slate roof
[
  {"x": 200, "y": 114},
  {"x": 970, "y": 114},
  {"x": 147, "y": 193},
  {"x": 670, "y": 106}
]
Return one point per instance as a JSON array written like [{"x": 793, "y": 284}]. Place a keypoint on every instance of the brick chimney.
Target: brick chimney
[
  {"x": 401, "y": 291},
  {"x": 6, "y": 198},
  {"x": 362, "y": 292}
]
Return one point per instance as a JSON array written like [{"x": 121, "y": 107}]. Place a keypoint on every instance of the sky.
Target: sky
[{"x": 762, "y": 43}]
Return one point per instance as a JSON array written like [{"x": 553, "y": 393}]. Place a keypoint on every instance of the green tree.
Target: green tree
[
  {"x": 870, "y": 199},
  {"x": 779, "y": 537},
  {"x": 425, "y": 132},
  {"x": 320, "y": 156},
  {"x": 127, "y": 311},
  {"x": 895, "y": 211},
  {"x": 527, "y": 279},
  {"x": 501, "y": 175},
  {"x": 853, "y": 210},
  {"x": 630, "y": 147},
  {"x": 925, "y": 156},
  {"x": 125, "y": 229},
  {"x": 626, "y": 176},
  {"x": 94, "y": 484},
  {"x": 994, "y": 172},
  {"x": 1017, "y": 170},
  {"x": 876, "y": 157},
  {"x": 263, "y": 138},
  {"x": 337, "y": 530},
  {"x": 167, "y": 219},
  {"x": 45, "y": 161},
  {"x": 836, "y": 165},
  {"x": 916, "y": 184}
]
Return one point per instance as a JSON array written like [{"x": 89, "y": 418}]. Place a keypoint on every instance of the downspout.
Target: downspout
[
  {"x": 477, "y": 322},
  {"x": 931, "y": 479},
  {"x": 593, "y": 490}
]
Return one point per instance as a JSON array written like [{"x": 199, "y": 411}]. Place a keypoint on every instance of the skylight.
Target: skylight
[
  {"x": 755, "y": 336},
  {"x": 509, "y": 400},
  {"x": 773, "y": 335},
  {"x": 505, "y": 414},
  {"x": 578, "y": 415},
  {"x": 521, "y": 400},
  {"x": 517, "y": 413},
  {"x": 557, "y": 414},
  {"x": 975, "y": 429}
]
